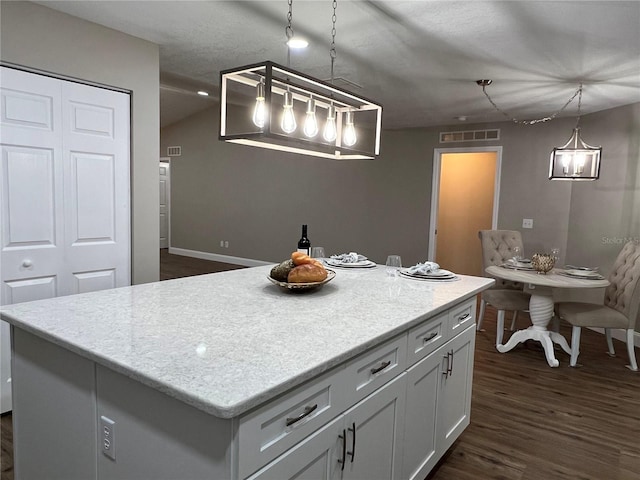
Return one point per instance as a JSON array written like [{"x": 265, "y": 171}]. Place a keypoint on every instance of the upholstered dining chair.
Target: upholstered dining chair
[
  {"x": 621, "y": 306},
  {"x": 497, "y": 248}
]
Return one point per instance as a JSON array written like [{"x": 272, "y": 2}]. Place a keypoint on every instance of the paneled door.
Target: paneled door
[{"x": 65, "y": 199}]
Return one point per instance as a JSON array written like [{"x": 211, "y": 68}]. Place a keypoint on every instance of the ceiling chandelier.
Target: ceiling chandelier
[
  {"x": 575, "y": 160},
  {"x": 260, "y": 106}
]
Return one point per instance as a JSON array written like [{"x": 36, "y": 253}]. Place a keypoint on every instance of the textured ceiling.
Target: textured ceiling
[{"x": 420, "y": 59}]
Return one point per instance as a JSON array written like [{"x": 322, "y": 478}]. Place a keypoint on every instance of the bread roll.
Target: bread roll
[{"x": 306, "y": 273}]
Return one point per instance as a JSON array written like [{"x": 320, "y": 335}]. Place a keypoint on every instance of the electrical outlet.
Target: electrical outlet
[
  {"x": 527, "y": 223},
  {"x": 226, "y": 244},
  {"x": 108, "y": 438},
  {"x": 222, "y": 243}
]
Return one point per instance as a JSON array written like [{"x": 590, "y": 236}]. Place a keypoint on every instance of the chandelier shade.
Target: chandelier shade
[
  {"x": 280, "y": 95},
  {"x": 576, "y": 160}
]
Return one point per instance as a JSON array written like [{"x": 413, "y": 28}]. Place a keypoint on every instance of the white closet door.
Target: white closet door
[
  {"x": 64, "y": 179},
  {"x": 165, "y": 192},
  {"x": 96, "y": 191}
]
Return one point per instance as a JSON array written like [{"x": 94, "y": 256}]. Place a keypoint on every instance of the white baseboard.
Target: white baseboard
[
  {"x": 620, "y": 335},
  {"x": 215, "y": 257}
]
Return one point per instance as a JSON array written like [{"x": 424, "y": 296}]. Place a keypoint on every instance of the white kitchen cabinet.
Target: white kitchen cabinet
[
  {"x": 438, "y": 403},
  {"x": 363, "y": 443}
]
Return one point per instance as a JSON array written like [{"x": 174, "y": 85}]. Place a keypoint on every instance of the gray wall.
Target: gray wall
[
  {"x": 257, "y": 199},
  {"x": 41, "y": 38}
]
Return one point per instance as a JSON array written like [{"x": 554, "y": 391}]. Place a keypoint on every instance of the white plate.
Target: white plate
[
  {"x": 439, "y": 278},
  {"x": 435, "y": 274},
  {"x": 362, "y": 264},
  {"x": 582, "y": 273},
  {"x": 520, "y": 266}
]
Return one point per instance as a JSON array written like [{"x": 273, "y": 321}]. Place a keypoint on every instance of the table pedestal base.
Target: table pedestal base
[{"x": 540, "y": 311}]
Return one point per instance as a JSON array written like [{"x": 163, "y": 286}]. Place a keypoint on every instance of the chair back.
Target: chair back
[
  {"x": 623, "y": 293},
  {"x": 497, "y": 248}
]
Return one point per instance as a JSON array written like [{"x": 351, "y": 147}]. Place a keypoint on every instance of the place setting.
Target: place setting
[
  {"x": 584, "y": 273},
  {"x": 349, "y": 260},
  {"x": 428, "y": 271},
  {"x": 518, "y": 262}
]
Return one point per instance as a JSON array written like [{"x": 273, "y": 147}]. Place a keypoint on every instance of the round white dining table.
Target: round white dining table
[{"x": 541, "y": 287}]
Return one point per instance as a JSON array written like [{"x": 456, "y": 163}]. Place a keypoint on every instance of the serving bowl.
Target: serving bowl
[
  {"x": 302, "y": 287},
  {"x": 543, "y": 262}
]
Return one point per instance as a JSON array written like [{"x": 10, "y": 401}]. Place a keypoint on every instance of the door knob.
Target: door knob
[{"x": 26, "y": 263}]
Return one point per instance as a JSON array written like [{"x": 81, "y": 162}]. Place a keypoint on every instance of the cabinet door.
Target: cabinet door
[
  {"x": 420, "y": 431},
  {"x": 454, "y": 404},
  {"x": 315, "y": 458},
  {"x": 375, "y": 429}
]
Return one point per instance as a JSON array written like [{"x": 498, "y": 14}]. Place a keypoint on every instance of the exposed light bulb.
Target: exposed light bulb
[
  {"x": 349, "y": 137},
  {"x": 260, "y": 109},
  {"x": 330, "y": 132},
  {"x": 310, "y": 128},
  {"x": 288, "y": 120},
  {"x": 578, "y": 163},
  {"x": 566, "y": 161}
]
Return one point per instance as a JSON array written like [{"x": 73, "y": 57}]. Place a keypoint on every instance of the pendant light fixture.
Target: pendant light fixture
[
  {"x": 259, "y": 104},
  {"x": 575, "y": 160}
]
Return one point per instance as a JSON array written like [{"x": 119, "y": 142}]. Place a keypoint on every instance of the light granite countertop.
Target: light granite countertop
[{"x": 227, "y": 342}]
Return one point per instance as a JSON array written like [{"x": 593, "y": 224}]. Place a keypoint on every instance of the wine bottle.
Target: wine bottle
[{"x": 304, "y": 245}]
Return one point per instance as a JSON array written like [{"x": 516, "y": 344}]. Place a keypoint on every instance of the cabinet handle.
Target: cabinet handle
[
  {"x": 445, "y": 372},
  {"x": 451, "y": 365},
  {"x": 344, "y": 448},
  {"x": 307, "y": 411},
  {"x": 431, "y": 336},
  {"x": 381, "y": 367},
  {"x": 462, "y": 318},
  {"x": 353, "y": 442}
]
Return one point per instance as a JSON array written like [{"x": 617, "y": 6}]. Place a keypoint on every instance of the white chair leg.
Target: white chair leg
[
  {"x": 483, "y": 305},
  {"x": 633, "y": 365},
  {"x": 575, "y": 346},
  {"x": 499, "y": 327},
  {"x": 607, "y": 333},
  {"x": 513, "y": 320}
]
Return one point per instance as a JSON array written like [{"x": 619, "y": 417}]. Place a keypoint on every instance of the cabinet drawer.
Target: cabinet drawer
[
  {"x": 372, "y": 369},
  {"x": 269, "y": 431},
  {"x": 462, "y": 316},
  {"x": 427, "y": 336}
]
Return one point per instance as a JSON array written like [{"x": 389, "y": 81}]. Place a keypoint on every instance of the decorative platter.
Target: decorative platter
[
  {"x": 298, "y": 287},
  {"x": 339, "y": 264}
]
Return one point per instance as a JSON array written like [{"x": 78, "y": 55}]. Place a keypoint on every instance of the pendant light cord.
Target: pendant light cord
[
  {"x": 539, "y": 120},
  {"x": 288, "y": 31},
  {"x": 579, "y": 105},
  {"x": 332, "y": 51}
]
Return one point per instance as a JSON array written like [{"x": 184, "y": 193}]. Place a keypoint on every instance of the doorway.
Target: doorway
[
  {"x": 165, "y": 203},
  {"x": 465, "y": 193}
]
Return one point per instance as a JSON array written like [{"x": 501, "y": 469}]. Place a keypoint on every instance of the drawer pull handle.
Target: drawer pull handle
[
  {"x": 445, "y": 372},
  {"x": 462, "y": 318},
  {"x": 451, "y": 365},
  {"x": 344, "y": 448},
  {"x": 307, "y": 411},
  {"x": 353, "y": 442},
  {"x": 431, "y": 336},
  {"x": 381, "y": 367}
]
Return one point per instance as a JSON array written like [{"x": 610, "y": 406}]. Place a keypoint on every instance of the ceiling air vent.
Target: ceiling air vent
[
  {"x": 174, "y": 151},
  {"x": 470, "y": 136}
]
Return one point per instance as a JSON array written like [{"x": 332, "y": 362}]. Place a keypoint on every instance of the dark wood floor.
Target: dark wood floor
[
  {"x": 177, "y": 266},
  {"x": 528, "y": 421}
]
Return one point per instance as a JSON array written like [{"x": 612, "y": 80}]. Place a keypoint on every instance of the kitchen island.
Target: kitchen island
[{"x": 229, "y": 376}]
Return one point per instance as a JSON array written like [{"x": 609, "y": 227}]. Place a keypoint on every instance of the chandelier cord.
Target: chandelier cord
[
  {"x": 332, "y": 51},
  {"x": 539, "y": 120},
  {"x": 579, "y": 106},
  {"x": 288, "y": 31}
]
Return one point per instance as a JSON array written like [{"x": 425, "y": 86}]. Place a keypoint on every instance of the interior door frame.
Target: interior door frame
[
  {"x": 435, "y": 188},
  {"x": 167, "y": 161}
]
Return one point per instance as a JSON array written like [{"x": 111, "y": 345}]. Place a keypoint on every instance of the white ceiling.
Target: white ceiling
[{"x": 419, "y": 59}]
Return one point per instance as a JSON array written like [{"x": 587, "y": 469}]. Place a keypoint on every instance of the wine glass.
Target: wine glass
[
  {"x": 394, "y": 262},
  {"x": 517, "y": 253},
  {"x": 555, "y": 253},
  {"x": 318, "y": 252}
]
